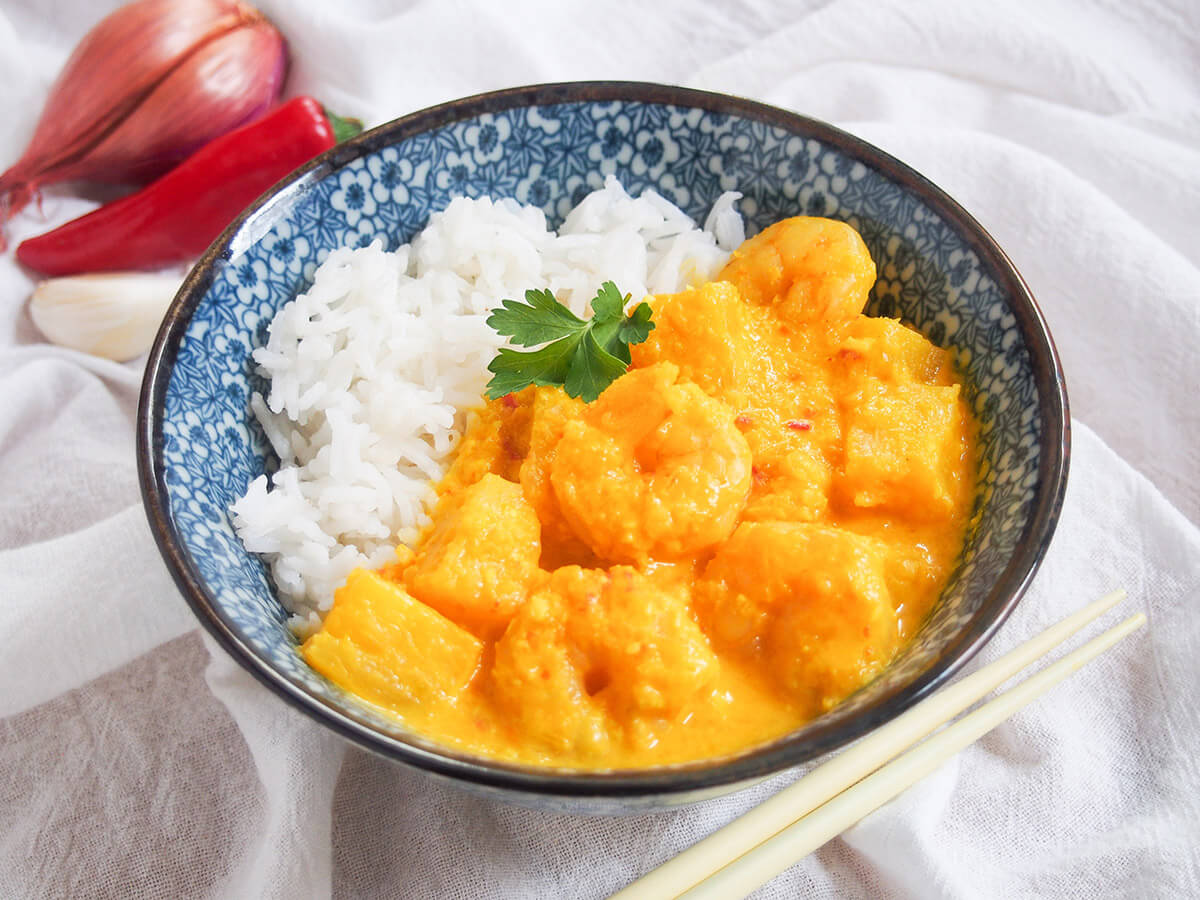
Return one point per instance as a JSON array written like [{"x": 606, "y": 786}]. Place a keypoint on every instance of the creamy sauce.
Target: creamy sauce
[{"x": 741, "y": 531}]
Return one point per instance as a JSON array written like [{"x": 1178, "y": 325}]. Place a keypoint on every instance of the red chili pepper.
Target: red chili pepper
[{"x": 180, "y": 214}]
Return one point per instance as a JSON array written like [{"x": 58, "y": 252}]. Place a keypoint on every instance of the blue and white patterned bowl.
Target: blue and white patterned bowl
[{"x": 199, "y": 447}]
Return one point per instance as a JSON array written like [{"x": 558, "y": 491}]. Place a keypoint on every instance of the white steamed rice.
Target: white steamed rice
[{"x": 373, "y": 369}]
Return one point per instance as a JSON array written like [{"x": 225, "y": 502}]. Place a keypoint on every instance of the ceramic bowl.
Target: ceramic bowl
[{"x": 199, "y": 446}]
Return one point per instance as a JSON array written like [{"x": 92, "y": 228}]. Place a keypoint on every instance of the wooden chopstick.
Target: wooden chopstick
[
  {"x": 800, "y": 839},
  {"x": 828, "y": 780}
]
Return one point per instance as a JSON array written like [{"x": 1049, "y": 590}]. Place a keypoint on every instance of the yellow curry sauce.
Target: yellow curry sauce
[{"x": 741, "y": 531}]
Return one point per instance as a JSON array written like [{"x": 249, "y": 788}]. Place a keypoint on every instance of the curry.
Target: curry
[{"x": 741, "y": 531}]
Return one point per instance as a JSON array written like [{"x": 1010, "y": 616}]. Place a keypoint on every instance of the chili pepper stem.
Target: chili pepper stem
[{"x": 343, "y": 128}]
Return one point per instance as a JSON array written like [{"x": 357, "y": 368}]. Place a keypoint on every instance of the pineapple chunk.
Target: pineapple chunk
[
  {"x": 480, "y": 560},
  {"x": 386, "y": 647},
  {"x": 904, "y": 449}
]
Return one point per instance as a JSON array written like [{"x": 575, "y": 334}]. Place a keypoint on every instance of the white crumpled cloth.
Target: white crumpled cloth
[{"x": 136, "y": 760}]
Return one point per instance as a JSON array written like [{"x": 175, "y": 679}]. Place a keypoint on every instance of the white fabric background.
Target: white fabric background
[{"x": 136, "y": 760}]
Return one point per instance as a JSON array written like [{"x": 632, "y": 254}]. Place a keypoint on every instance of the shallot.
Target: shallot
[{"x": 146, "y": 87}]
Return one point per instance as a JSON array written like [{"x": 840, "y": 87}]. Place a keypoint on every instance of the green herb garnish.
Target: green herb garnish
[{"x": 583, "y": 358}]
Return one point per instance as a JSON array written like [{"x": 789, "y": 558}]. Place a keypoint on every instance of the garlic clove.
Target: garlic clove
[{"x": 115, "y": 315}]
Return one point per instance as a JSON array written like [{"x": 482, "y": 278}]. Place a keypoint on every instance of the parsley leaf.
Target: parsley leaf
[
  {"x": 592, "y": 369},
  {"x": 637, "y": 327},
  {"x": 581, "y": 357},
  {"x": 608, "y": 303},
  {"x": 541, "y": 318}
]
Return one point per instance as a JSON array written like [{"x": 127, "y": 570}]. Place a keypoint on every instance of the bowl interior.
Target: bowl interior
[{"x": 548, "y": 147}]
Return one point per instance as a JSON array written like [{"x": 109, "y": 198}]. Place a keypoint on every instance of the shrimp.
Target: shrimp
[
  {"x": 536, "y": 681},
  {"x": 811, "y": 600},
  {"x": 596, "y": 657},
  {"x": 655, "y": 469},
  {"x": 811, "y": 269}
]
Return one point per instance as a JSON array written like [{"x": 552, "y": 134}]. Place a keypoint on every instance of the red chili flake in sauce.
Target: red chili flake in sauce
[
  {"x": 509, "y": 400},
  {"x": 848, "y": 353},
  {"x": 800, "y": 425},
  {"x": 743, "y": 421},
  {"x": 758, "y": 475}
]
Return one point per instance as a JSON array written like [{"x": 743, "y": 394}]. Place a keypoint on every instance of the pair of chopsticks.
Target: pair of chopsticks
[{"x": 780, "y": 832}]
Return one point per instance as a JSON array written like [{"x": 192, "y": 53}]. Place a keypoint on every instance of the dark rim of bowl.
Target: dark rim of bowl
[{"x": 668, "y": 780}]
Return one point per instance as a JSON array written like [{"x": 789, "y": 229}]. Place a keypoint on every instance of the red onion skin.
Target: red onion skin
[
  {"x": 144, "y": 89},
  {"x": 172, "y": 122}
]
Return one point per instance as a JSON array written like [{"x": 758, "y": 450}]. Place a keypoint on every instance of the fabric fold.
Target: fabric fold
[{"x": 75, "y": 607}]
